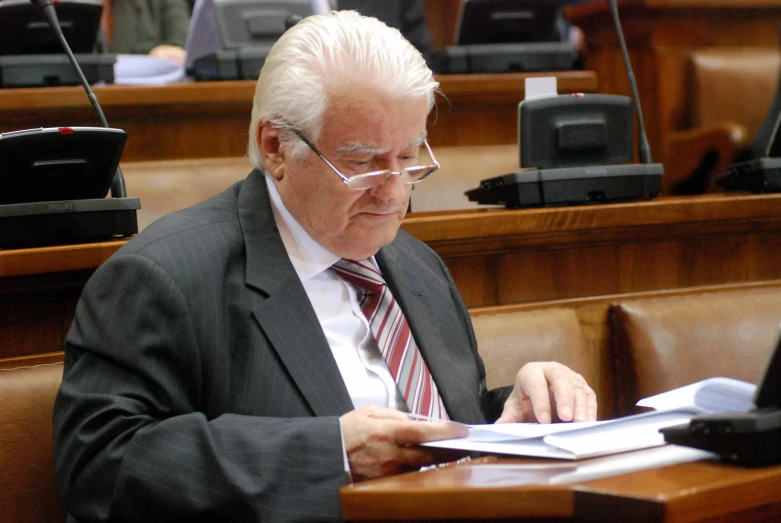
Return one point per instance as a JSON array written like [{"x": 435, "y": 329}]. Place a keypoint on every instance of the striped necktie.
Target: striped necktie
[{"x": 393, "y": 336}]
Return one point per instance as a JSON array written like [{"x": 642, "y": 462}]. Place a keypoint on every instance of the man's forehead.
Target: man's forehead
[{"x": 352, "y": 146}]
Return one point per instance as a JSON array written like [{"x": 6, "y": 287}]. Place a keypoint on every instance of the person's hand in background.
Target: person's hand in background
[{"x": 172, "y": 52}]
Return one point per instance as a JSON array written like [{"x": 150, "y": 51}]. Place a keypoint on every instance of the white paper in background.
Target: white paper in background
[
  {"x": 714, "y": 395},
  {"x": 202, "y": 38},
  {"x": 139, "y": 69},
  {"x": 540, "y": 87}
]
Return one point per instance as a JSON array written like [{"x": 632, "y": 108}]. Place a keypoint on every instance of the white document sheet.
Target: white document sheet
[{"x": 572, "y": 441}]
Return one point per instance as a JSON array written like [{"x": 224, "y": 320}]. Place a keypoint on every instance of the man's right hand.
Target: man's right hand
[{"x": 380, "y": 442}]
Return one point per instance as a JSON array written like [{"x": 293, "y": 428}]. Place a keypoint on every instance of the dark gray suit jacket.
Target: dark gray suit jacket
[{"x": 199, "y": 385}]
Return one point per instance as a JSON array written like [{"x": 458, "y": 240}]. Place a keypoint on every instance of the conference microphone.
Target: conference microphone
[
  {"x": 47, "y": 11},
  {"x": 578, "y": 149},
  {"x": 56, "y": 179}
]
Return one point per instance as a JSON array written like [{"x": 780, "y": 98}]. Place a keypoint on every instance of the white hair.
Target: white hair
[{"x": 324, "y": 54}]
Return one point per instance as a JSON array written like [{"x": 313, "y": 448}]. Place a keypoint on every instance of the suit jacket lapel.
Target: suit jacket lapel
[
  {"x": 411, "y": 284},
  {"x": 285, "y": 313}
]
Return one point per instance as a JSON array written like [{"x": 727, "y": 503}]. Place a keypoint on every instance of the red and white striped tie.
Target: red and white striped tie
[{"x": 393, "y": 337}]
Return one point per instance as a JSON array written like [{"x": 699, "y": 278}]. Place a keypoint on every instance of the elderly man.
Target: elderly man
[{"x": 243, "y": 359}]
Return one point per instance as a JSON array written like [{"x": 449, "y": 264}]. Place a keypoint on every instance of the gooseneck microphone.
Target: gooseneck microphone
[
  {"x": 578, "y": 149},
  {"x": 644, "y": 152},
  {"x": 46, "y": 10}
]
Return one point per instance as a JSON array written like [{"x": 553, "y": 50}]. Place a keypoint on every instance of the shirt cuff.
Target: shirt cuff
[{"x": 347, "y": 474}]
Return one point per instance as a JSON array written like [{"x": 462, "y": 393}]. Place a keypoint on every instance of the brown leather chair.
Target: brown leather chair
[
  {"x": 28, "y": 490},
  {"x": 663, "y": 343},
  {"x": 728, "y": 95},
  {"x": 508, "y": 340}
]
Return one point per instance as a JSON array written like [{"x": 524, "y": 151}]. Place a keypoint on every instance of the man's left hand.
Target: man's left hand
[{"x": 549, "y": 391}]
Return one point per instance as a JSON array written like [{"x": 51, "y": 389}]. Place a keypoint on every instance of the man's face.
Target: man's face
[{"x": 361, "y": 132}]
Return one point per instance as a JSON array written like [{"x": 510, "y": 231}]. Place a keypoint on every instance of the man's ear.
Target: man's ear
[{"x": 271, "y": 151}]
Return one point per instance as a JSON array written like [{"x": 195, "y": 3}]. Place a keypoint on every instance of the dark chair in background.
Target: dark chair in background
[{"x": 727, "y": 117}]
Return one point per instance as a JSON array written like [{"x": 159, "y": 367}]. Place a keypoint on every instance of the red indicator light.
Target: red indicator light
[
  {"x": 578, "y": 95},
  {"x": 66, "y": 130}
]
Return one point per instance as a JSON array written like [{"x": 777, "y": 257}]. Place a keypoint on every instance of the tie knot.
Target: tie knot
[{"x": 363, "y": 274}]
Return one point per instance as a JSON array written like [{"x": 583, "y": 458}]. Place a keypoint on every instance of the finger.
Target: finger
[
  {"x": 405, "y": 433},
  {"x": 561, "y": 383},
  {"x": 533, "y": 383},
  {"x": 376, "y": 412},
  {"x": 512, "y": 413},
  {"x": 581, "y": 403},
  {"x": 592, "y": 405},
  {"x": 516, "y": 410},
  {"x": 416, "y": 457}
]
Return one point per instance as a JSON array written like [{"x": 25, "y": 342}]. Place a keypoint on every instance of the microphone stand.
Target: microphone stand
[{"x": 47, "y": 11}]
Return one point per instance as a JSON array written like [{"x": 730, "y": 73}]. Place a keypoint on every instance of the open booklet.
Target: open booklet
[{"x": 573, "y": 441}]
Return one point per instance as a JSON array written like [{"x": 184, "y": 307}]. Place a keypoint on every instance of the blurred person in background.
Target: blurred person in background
[{"x": 151, "y": 27}]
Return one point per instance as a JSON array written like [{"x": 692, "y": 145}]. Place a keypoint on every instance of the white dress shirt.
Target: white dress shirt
[{"x": 363, "y": 369}]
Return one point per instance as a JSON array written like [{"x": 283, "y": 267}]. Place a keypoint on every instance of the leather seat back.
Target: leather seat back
[
  {"x": 735, "y": 84},
  {"x": 28, "y": 489},
  {"x": 663, "y": 343},
  {"x": 508, "y": 340}
]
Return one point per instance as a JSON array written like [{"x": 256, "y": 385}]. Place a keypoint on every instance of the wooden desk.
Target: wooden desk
[
  {"x": 496, "y": 256},
  {"x": 660, "y": 35},
  {"x": 211, "y": 119},
  {"x": 514, "y": 490},
  {"x": 499, "y": 256},
  {"x": 39, "y": 289}
]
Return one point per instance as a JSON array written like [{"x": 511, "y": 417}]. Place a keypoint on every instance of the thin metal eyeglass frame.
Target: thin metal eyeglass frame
[{"x": 381, "y": 175}]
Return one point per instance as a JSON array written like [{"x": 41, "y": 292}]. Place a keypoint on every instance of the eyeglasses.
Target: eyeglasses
[{"x": 371, "y": 179}]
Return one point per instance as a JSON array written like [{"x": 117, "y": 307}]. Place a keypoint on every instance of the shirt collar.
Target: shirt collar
[{"x": 308, "y": 257}]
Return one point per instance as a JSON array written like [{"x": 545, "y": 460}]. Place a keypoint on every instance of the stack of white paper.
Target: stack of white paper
[{"x": 584, "y": 440}]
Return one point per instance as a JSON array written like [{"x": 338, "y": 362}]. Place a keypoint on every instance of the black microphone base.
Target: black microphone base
[
  {"x": 762, "y": 175},
  {"x": 749, "y": 438},
  {"x": 65, "y": 222},
  {"x": 46, "y": 70},
  {"x": 571, "y": 186},
  {"x": 506, "y": 58}
]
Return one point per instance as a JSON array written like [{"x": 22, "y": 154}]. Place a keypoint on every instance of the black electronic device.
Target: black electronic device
[
  {"x": 759, "y": 175},
  {"x": 507, "y": 21},
  {"x": 574, "y": 149},
  {"x": 65, "y": 163},
  {"x": 575, "y": 130},
  {"x": 496, "y": 36},
  {"x": 570, "y": 186},
  {"x": 239, "y": 35},
  {"x": 24, "y": 32},
  {"x": 747, "y": 438},
  {"x": 54, "y": 181},
  {"x": 32, "y": 56},
  {"x": 506, "y": 58}
]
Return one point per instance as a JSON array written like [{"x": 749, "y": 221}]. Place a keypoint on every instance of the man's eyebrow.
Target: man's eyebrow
[
  {"x": 361, "y": 148},
  {"x": 417, "y": 142}
]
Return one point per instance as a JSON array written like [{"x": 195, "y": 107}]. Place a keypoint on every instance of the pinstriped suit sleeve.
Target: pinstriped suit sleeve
[{"x": 134, "y": 438}]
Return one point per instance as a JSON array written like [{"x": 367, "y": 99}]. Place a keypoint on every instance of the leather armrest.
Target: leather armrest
[{"x": 695, "y": 156}]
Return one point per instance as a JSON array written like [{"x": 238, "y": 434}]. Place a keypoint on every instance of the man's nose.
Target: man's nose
[{"x": 392, "y": 191}]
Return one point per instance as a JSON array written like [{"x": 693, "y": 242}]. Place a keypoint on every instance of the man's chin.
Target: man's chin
[{"x": 367, "y": 243}]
